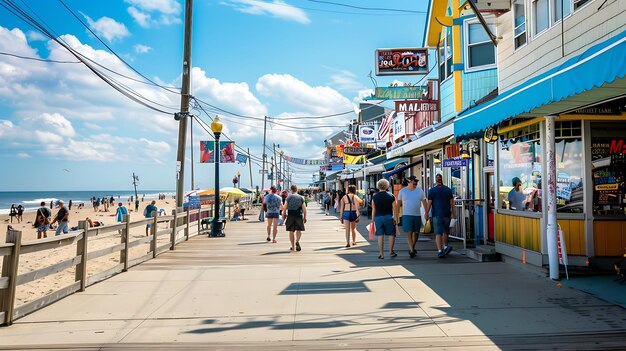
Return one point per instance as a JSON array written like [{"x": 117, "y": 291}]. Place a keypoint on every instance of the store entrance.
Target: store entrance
[{"x": 491, "y": 206}]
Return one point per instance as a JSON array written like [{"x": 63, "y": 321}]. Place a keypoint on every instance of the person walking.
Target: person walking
[
  {"x": 137, "y": 204},
  {"x": 62, "y": 218},
  {"x": 13, "y": 212},
  {"x": 294, "y": 217},
  {"x": 147, "y": 213},
  {"x": 326, "y": 201},
  {"x": 272, "y": 203},
  {"x": 120, "y": 212},
  {"x": 69, "y": 206},
  {"x": 20, "y": 213},
  {"x": 351, "y": 214},
  {"x": 385, "y": 217},
  {"x": 263, "y": 208},
  {"x": 42, "y": 220},
  {"x": 410, "y": 198},
  {"x": 441, "y": 201}
]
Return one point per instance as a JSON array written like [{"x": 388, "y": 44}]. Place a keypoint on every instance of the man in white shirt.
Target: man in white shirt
[{"x": 410, "y": 198}]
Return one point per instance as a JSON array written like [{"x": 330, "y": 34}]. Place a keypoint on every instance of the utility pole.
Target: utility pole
[
  {"x": 184, "y": 105},
  {"x": 250, "y": 166},
  {"x": 264, "y": 155},
  {"x": 277, "y": 175},
  {"x": 135, "y": 180}
]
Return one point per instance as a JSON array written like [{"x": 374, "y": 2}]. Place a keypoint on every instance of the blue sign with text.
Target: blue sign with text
[
  {"x": 454, "y": 162},
  {"x": 194, "y": 202}
]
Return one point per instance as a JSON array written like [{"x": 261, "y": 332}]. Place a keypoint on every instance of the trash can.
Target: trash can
[{"x": 218, "y": 229}]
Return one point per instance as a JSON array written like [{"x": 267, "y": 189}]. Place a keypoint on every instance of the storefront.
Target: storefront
[{"x": 561, "y": 136}]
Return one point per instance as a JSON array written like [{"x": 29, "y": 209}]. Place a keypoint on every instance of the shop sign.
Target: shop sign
[
  {"x": 331, "y": 168},
  {"x": 607, "y": 187},
  {"x": 396, "y": 152},
  {"x": 368, "y": 134},
  {"x": 401, "y": 61},
  {"x": 357, "y": 151},
  {"x": 490, "y": 135},
  {"x": 418, "y": 110},
  {"x": 398, "y": 126},
  {"x": 598, "y": 111},
  {"x": 194, "y": 202},
  {"x": 399, "y": 93},
  {"x": 454, "y": 162}
]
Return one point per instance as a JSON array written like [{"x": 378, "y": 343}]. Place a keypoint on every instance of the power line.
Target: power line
[
  {"x": 366, "y": 8},
  {"x": 36, "y": 58}
]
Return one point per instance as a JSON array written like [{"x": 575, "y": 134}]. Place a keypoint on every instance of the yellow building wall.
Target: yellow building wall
[
  {"x": 574, "y": 234},
  {"x": 519, "y": 231},
  {"x": 609, "y": 238}
]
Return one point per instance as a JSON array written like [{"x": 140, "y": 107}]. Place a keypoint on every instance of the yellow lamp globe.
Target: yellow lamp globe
[{"x": 216, "y": 125}]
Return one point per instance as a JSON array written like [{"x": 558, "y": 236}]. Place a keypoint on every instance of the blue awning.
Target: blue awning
[
  {"x": 393, "y": 163},
  {"x": 595, "y": 75},
  {"x": 386, "y": 175}
]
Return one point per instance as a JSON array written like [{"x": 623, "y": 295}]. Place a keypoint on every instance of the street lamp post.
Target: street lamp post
[{"x": 216, "y": 128}]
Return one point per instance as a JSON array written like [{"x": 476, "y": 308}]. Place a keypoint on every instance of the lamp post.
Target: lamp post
[{"x": 216, "y": 128}]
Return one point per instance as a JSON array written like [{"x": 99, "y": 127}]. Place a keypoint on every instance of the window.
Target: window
[
  {"x": 519, "y": 23},
  {"x": 579, "y": 3},
  {"x": 445, "y": 56},
  {"x": 558, "y": 12},
  {"x": 541, "y": 16},
  {"x": 480, "y": 50}
]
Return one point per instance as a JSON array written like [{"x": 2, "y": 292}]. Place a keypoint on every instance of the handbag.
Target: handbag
[
  {"x": 371, "y": 228},
  {"x": 428, "y": 228}
]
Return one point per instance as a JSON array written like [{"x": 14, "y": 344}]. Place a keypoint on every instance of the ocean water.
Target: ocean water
[{"x": 31, "y": 199}]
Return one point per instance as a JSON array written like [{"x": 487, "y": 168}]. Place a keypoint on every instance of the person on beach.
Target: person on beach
[
  {"x": 294, "y": 217},
  {"x": 120, "y": 212},
  {"x": 42, "y": 220},
  {"x": 137, "y": 204},
  {"x": 97, "y": 208},
  {"x": 62, "y": 218},
  {"x": 385, "y": 217},
  {"x": 410, "y": 198},
  {"x": 272, "y": 203},
  {"x": 69, "y": 206},
  {"x": 349, "y": 211},
  {"x": 441, "y": 201},
  {"x": 13, "y": 212},
  {"x": 20, "y": 213},
  {"x": 147, "y": 213}
]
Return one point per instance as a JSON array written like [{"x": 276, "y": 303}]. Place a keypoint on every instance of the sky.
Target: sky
[{"x": 63, "y": 128}]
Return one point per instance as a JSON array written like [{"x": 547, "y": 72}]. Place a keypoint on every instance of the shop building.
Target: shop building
[{"x": 558, "y": 124}]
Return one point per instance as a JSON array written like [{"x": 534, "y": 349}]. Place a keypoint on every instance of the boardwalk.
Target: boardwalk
[{"x": 240, "y": 292}]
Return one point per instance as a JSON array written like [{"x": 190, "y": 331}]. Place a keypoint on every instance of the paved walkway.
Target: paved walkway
[{"x": 241, "y": 292}]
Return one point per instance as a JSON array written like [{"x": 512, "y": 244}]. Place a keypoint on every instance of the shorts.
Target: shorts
[
  {"x": 148, "y": 225},
  {"x": 350, "y": 216},
  {"x": 43, "y": 228},
  {"x": 294, "y": 223},
  {"x": 385, "y": 225},
  {"x": 411, "y": 224},
  {"x": 272, "y": 215},
  {"x": 441, "y": 225}
]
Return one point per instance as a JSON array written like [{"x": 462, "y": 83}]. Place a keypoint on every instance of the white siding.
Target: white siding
[{"x": 584, "y": 28}]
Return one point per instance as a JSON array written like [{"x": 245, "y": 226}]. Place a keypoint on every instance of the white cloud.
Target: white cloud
[
  {"x": 142, "y": 49},
  {"x": 35, "y": 36},
  {"x": 22, "y": 155},
  {"x": 276, "y": 8},
  {"x": 167, "y": 11},
  {"x": 108, "y": 28},
  {"x": 345, "y": 80},
  {"x": 143, "y": 19},
  {"x": 318, "y": 100}
]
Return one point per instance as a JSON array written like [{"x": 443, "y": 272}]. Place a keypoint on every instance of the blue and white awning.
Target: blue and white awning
[{"x": 595, "y": 75}]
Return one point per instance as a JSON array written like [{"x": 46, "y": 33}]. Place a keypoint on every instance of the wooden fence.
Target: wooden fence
[{"x": 180, "y": 227}]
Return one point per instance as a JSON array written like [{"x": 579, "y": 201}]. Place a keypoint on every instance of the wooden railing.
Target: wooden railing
[{"x": 180, "y": 227}]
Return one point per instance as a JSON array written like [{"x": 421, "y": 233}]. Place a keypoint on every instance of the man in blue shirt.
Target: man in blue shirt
[
  {"x": 148, "y": 213},
  {"x": 441, "y": 201}
]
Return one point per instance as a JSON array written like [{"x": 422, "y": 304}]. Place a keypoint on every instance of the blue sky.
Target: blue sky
[{"x": 62, "y": 128}]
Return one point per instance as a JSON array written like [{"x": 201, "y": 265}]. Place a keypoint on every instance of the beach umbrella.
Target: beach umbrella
[{"x": 232, "y": 191}]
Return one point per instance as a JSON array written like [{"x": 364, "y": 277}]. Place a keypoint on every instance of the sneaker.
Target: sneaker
[
  {"x": 440, "y": 254},
  {"x": 447, "y": 250}
]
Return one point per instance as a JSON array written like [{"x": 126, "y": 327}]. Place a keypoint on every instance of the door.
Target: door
[{"x": 491, "y": 206}]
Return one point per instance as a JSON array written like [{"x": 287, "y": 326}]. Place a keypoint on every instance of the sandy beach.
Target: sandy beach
[{"x": 29, "y": 262}]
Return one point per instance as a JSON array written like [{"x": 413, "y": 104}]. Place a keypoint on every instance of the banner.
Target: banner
[
  {"x": 302, "y": 161},
  {"x": 384, "y": 131},
  {"x": 352, "y": 160},
  {"x": 241, "y": 159},
  {"x": 207, "y": 151},
  {"x": 368, "y": 134}
]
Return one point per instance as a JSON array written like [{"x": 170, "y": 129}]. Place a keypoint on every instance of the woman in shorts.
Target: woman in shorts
[
  {"x": 385, "y": 217},
  {"x": 349, "y": 210}
]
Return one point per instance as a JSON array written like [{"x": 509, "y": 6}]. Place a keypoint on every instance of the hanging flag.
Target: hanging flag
[
  {"x": 241, "y": 159},
  {"x": 385, "y": 127},
  {"x": 207, "y": 152}
]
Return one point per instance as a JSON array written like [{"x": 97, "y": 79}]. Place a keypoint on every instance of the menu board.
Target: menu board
[{"x": 609, "y": 175}]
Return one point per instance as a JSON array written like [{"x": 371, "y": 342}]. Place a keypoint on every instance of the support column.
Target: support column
[{"x": 551, "y": 227}]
